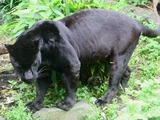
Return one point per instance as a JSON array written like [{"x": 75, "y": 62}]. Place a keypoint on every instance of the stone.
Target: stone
[
  {"x": 2, "y": 118},
  {"x": 80, "y": 111}
]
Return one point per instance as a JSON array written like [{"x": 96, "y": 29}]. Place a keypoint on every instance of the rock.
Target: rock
[
  {"x": 80, "y": 111},
  {"x": 2, "y": 118}
]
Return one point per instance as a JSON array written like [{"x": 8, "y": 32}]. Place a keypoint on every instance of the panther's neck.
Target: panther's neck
[{"x": 48, "y": 50}]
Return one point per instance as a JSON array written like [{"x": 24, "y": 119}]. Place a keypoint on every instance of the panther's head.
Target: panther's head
[{"x": 25, "y": 57}]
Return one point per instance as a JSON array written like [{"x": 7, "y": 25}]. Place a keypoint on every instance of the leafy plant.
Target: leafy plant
[
  {"x": 5, "y": 7},
  {"x": 27, "y": 13},
  {"x": 18, "y": 112},
  {"x": 118, "y": 5}
]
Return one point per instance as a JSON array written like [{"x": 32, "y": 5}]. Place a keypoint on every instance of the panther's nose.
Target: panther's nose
[{"x": 28, "y": 75}]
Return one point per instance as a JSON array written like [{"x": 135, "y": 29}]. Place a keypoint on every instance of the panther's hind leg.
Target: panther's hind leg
[
  {"x": 117, "y": 68},
  {"x": 125, "y": 77}
]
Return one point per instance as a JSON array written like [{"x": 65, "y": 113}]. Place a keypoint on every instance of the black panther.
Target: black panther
[{"x": 69, "y": 44}]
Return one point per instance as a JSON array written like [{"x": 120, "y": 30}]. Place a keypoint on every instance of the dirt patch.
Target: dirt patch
[
  {"x": 6, "y": 72},
  {"x": 5, "y": 77}
]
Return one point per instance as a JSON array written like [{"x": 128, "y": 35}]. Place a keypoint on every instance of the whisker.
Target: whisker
[
  {"x": 43, "y": 75},
  {"x": 42, "y": 69},
  {"x": 42, "y": 72}
]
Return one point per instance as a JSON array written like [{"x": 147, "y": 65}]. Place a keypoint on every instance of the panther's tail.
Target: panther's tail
[{"x": 150, "y": 32}]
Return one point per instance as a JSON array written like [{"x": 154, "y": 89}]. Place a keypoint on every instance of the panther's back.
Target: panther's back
[{"x": 95, "y": 30}]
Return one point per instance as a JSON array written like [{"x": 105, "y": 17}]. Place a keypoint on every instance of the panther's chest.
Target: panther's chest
[{"x": 55, "y": 62}]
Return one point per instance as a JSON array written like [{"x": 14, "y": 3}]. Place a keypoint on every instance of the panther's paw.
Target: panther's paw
[
  {"x": 65, "y": 105},
  {"x": 100, "y": 102},
  {"x": 34, "y": 106}
]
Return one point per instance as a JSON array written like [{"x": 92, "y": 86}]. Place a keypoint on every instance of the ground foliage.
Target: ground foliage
[{"x": 139, "y": 101}]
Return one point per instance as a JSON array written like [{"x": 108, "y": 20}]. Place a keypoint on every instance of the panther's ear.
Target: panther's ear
[
  {"x": 158, "y": 8},
  {"x": 50, "y": 31},
  {"x": 37, "y": 43},
  {"x": 9, "y": 48}
]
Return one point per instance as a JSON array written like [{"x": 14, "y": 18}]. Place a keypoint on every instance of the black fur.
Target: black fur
[{"x": 75, "y": 41}]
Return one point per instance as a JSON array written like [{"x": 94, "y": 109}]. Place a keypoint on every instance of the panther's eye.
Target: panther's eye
[
  {"x": 34, "y": 64},
  {"x": 19, "y": 67}
]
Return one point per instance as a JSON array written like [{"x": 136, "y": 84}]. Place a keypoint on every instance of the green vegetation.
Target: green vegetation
[
  {"x": 140, "y": 101},
  {"x": 28, "y": 12}
]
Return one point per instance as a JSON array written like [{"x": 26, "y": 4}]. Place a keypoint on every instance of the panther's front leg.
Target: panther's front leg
[
  {"x": 71, "y": 80},
  {"x": 42, "y": 83}
]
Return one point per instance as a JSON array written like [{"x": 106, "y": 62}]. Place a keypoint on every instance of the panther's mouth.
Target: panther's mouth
[{"x": 28, "y": 81}]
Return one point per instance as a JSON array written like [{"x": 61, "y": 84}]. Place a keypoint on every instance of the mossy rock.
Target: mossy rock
[{"x": 80, "y": 111}]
